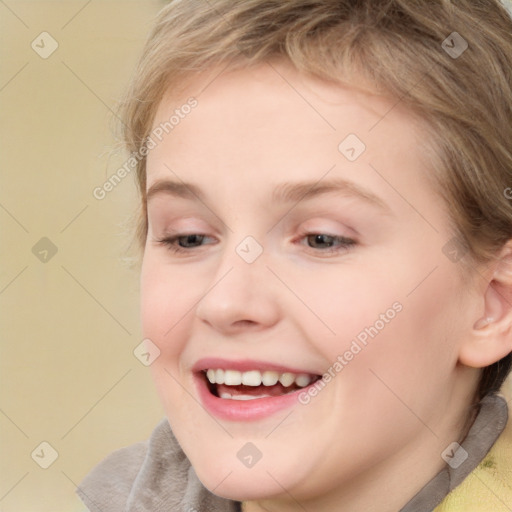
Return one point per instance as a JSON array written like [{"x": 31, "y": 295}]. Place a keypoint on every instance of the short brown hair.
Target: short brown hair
[{"x": 412, "y": 50}]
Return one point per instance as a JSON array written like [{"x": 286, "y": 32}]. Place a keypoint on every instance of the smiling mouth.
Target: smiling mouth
[{"x": 253, "y": 384}]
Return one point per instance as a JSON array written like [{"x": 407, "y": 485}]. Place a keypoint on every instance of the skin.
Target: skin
[{"x": 374, "y": 436}]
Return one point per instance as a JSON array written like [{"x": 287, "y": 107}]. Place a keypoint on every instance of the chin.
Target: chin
[
  {"x": 225, "y": 475},
  {"x": 240, "y": 485}
]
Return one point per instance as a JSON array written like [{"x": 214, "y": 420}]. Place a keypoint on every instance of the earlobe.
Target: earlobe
[
  {"x": 490, "y": 338},
  {"x": 483, "y": 322}
]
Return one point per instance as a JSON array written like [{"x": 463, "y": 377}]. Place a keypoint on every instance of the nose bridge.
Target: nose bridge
[
  {"x": 240, "y": 289},
  {"x": 241, "y": 265}
]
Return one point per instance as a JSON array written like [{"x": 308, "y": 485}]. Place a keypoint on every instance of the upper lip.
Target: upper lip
[{"x": 245, "y": 365}]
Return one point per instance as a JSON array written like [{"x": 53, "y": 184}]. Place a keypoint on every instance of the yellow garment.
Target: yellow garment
[{"x": 488, "y": 488}]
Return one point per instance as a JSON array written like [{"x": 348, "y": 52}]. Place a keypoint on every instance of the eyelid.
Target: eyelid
[{"x": 326, "y": 223}]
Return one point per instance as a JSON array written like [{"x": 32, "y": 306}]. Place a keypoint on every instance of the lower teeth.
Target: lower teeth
[{"x": 228, "y": 396}]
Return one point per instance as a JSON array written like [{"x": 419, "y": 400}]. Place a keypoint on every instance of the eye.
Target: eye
[
  {"x": 319, "y": 243},
  {"x": 325, "y": 243},
  {"x": 182, "y": 243}
]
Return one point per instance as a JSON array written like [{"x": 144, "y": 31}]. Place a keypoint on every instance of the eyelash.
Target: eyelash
[{"x": 345, "y": 243}]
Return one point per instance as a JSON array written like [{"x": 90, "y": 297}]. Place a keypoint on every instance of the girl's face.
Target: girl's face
[{"x": 293, "y": 233}]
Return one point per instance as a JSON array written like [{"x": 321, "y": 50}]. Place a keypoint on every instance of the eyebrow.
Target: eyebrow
[
  {"x": 283, "y": 192},
  {"x": 295, "y": 192}
]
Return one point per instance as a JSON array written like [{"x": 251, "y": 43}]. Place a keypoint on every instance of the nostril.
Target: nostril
[{"x": 245, "y": 323}]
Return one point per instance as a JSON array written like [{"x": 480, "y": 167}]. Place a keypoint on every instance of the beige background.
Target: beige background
[{"x": 69, "y": 325}]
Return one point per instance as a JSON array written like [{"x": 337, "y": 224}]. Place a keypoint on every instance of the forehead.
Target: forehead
[
  {"x": 270, "y": 121},
  {"x": 277, "y": 84}
]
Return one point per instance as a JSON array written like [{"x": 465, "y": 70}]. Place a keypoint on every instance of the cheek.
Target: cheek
[
  {"x": 389, "y": 327},
  {"x": 166, "y": 313},
  {"x": 167, "y": 309},
  {"x": 412, "y": 359},
  {"x": 350, "y": 309},
  {"x": 403, "y": 370}
]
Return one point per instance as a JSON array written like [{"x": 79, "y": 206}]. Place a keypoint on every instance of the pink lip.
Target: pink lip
[
  {"x": 243, "y": 366},
  {"x": 241, "y": 410}
]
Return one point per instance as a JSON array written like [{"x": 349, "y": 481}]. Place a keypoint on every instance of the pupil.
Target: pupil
[
  {"x": 321, "y": 239},
  {"x": 190, "y": 239}
]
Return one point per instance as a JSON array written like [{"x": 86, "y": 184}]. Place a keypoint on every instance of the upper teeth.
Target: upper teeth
[{"x": 256, "y": 378}]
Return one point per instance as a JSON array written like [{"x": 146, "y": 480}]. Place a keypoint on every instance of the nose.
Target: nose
[{"x": 240, "y": 296}]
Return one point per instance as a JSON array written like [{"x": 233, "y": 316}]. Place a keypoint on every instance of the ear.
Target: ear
[{"x": 490, "y": 338}]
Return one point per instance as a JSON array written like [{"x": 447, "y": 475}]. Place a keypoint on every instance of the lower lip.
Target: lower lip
[{"x": 244, "y": 410}]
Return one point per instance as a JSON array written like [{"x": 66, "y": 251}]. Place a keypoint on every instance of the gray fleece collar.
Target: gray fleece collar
[{"x": 487, "y": 427}]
